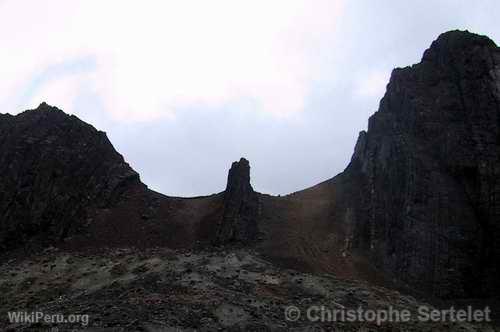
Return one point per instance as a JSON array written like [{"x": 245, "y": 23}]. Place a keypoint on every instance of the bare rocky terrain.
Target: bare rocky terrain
[{"x": 166, "y": 290}]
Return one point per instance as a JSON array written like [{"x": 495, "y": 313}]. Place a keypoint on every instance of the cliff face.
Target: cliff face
[
  {"x": 430, "y": 168},
  {"x": 55, "y": 170}
]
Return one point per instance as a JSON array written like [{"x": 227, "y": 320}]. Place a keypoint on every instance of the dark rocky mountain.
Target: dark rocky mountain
[
  {"x": 420, "y": 198},
  {"x": 430, "y": 171},
  {"x": 63, "y": 183},
  {"x": 55, "y": 170},
  {"x": 418, "y": 205}
]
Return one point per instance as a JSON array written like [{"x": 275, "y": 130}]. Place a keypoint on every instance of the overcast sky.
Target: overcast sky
[{"x": 185, "y": 87}]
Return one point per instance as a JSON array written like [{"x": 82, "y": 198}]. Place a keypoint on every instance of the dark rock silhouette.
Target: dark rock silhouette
[
  {"x": 55, "y": 169},
  {"x": 430, "y": 168},
  {"x": 239, "y": 220}
]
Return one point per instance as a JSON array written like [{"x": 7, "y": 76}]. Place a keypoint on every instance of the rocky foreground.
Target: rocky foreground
[{"x": 166, "y": 290}]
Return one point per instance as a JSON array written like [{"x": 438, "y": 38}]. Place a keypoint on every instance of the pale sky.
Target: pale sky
[{"x": 185, "y": 87}]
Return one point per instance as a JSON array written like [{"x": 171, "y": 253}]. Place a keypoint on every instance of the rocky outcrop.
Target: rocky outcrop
[
  {"x": 429, "y": 166},
  {"x": 239, "y": 219},
  {"x": 55, "y": 170}
]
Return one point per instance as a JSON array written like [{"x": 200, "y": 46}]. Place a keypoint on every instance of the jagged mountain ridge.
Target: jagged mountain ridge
[
  {"x": 419, "y": 201},
  {"x": 63, "y": 183}
]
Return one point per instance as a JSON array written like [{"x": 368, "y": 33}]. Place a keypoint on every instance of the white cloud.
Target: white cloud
[
  {"x": 65, "y": 90},
  {"x": 373, "y": 84},
  {"x": 154, "y": 57}
]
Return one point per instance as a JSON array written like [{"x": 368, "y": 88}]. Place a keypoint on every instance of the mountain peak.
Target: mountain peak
[
  {"x": 64, "y": 165},
  {"x": 436, "y": 134},
  {"x": 46, "y": 107},
  {"x": 456, "y": 42}
]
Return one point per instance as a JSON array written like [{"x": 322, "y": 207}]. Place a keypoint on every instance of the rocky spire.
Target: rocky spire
[{"x": 240, "y": 206}]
